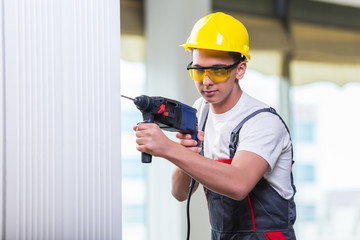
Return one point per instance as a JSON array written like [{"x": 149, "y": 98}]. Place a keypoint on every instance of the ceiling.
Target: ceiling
[
  {"x": 293, "y": 31},
  {"x": 351, "y": 3}
]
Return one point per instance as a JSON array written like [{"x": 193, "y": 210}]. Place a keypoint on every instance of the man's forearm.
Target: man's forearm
[
  {"x": 180, "y": 184},
  {"x": 234, "y": 180}
]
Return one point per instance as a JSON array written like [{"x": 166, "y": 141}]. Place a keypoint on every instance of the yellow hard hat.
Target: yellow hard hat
[{"x": 219, "y": 31}]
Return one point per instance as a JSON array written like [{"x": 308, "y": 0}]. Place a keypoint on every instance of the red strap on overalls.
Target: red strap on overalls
[{"x": 274, "y": 236}]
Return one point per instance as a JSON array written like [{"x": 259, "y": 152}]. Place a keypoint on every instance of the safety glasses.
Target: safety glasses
[{"x": 215, "y": 73}]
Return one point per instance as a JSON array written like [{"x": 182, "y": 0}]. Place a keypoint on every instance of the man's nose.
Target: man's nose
[{"x": 207, "y": 81}]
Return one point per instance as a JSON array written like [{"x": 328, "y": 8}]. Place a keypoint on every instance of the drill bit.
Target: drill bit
[{"x": 128, "y": 97}]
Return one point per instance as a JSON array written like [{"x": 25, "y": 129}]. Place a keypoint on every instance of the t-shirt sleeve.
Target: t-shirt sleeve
[{"x": 264, "y": 135}]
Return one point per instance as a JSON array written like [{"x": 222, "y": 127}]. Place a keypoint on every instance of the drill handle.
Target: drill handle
[{"x": 145, "y": 157}]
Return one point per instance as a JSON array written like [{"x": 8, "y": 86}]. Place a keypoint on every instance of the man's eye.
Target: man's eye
[
  {"x": 218, "y": 71},
  {"x": 199, "y": 71}
]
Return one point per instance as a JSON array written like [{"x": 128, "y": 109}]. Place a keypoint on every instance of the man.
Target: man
[{"x": 248, "y": 180}]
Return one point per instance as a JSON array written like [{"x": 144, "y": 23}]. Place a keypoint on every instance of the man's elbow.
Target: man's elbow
[
  {"x": 239, "y": 194},
  {"x": 238, "y": 197},
  {"x": 179, "y": 196}
]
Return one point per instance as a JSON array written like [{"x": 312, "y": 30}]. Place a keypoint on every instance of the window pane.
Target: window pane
[
  {"x": 262, "y": 87},
  {"x": 326, "y": 133},
  {"x": 133, "y": 174}
]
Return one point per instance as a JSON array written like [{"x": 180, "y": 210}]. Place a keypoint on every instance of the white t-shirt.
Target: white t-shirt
[{"x": 264, "y": 134}]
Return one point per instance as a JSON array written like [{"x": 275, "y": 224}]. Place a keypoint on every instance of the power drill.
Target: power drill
[{"x": 169, "y": 114}]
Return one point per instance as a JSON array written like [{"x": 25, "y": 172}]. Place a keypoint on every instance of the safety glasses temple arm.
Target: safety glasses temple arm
[{"x": 190, "y": 66}]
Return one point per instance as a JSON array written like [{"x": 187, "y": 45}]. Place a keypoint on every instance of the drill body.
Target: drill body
[{"x": 169, "y": 114}]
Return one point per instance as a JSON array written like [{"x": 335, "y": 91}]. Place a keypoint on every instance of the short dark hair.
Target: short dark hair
[{"x": 237, "y": 56}]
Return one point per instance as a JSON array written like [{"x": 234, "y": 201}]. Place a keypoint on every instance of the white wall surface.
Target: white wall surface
[
  {"x": 60, "y": 119},
  {"x": 2, "y": 135}
]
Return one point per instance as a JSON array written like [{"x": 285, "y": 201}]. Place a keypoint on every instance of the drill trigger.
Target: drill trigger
[{"x": 162, "y": 109}]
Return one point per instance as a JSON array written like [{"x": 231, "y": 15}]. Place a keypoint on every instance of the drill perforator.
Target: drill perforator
[{"x": 170, "y": 115}]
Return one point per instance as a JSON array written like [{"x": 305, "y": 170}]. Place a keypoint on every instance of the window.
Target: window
[
  {"x": 326, "y": 132},
  {"x": 133, "y": 173},
  {"x": 263, "y": 87}
]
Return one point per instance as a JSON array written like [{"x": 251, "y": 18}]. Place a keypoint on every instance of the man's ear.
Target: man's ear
[{"x": 240, "y": 70}]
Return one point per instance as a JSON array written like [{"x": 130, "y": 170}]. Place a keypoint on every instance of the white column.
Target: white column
[
  {"x": 2, "y": 116},
  {"x": 62, "y": 119},
  {"x": 168, "y": 24}
]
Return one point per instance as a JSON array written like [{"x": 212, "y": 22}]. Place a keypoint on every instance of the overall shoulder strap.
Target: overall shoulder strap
[
  {"x": 234, "y": 138},
  {"x": 202, "y": 122},
  {"x": 204, "y": 116}
]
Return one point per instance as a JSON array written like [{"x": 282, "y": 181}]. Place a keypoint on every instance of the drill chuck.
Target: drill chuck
[{"x": 143, "y": 103}]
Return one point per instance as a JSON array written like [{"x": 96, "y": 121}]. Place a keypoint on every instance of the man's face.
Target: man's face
[{"x": 217, "y": 93}]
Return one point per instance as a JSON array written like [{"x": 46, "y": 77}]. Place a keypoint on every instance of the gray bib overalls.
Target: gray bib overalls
[{"x": 264, "y": 214}]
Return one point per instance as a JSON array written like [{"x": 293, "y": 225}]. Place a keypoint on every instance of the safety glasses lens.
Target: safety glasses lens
[
  {"x": 197, "y": 74},
  {"x": 216, "y": 75}
]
